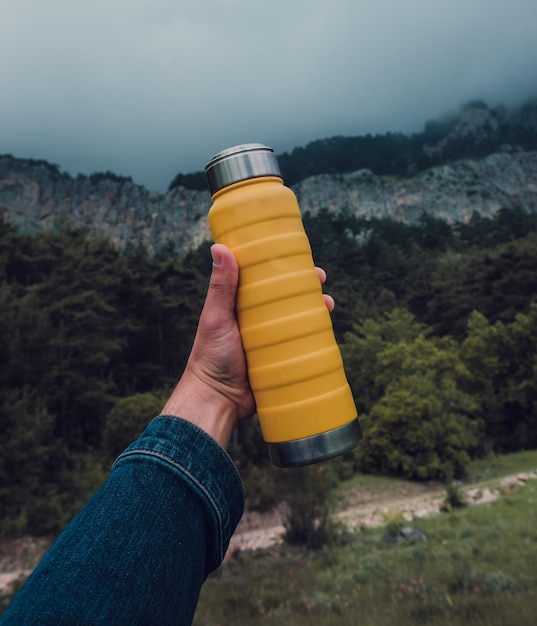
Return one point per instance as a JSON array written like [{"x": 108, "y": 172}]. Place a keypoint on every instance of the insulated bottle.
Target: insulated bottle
[{"x": 304, "y": 403}]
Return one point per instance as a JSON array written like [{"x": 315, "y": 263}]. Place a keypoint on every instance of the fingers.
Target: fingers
[
  {"x": 224, "y": 279},
  {"x": 321, "y": 274},
  {"x": 328, "y": 300}
]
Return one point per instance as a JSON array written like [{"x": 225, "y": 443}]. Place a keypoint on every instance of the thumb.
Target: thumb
[{"x": 220, "y": 299}]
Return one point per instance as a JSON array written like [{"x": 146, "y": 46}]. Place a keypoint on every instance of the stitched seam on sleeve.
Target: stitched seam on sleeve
[{"x": 191, "y": 477}]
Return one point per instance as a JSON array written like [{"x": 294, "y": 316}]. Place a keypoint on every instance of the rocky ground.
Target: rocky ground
[{"x": 364, "y": 505}]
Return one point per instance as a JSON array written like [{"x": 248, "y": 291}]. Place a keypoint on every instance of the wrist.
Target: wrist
[{"x": 204, "y": 406}]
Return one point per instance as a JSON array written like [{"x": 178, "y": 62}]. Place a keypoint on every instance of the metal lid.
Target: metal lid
[{"x": 250, "y": 160}]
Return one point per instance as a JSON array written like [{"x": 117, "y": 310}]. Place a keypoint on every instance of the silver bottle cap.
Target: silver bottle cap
[{"x": 249, "y": 160}]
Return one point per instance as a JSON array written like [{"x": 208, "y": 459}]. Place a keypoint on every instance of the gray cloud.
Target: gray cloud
[{"x": 148, "y": 88}]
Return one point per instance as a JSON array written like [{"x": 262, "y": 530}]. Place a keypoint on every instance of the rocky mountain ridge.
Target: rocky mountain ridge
[
  {"x": 34, "y": 195},
  {"x": 452, "y": 192}
]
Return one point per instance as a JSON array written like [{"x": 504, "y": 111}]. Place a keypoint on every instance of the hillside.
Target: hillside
[{"x": 478, "y": 161}]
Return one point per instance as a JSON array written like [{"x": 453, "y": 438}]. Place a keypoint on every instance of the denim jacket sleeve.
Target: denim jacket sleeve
[{"x": 141, "y": 548}]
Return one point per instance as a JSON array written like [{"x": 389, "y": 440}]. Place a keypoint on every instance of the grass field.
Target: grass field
[{"x": 478, "y": 567}]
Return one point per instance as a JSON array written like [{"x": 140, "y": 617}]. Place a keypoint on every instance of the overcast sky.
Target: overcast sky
[{"x": 150, "y": 88}]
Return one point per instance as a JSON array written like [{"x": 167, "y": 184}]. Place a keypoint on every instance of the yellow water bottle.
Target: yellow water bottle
[{"x": 304, "y": 402}]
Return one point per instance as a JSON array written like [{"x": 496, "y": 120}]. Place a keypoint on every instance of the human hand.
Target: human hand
[{"x": 214, "y": 392}]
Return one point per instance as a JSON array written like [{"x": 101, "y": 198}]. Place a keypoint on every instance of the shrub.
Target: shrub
[
  {"x": 455, "y": 498},
  {"x": 308, "y": 521},
  {"x": 394, "y": 523}
]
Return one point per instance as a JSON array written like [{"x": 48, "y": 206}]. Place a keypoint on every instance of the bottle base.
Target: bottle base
[{"x": 316, "y": 448}]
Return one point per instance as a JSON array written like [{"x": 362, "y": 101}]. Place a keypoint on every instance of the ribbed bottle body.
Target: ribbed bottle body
[{"x": 294, "y": 363}]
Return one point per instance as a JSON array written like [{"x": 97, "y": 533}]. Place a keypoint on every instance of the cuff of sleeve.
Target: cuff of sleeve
[{"x": 201, "y": 463}]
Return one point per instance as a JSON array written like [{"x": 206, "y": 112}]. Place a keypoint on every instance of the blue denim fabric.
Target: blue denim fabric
[{"x": 141, "y": 548}]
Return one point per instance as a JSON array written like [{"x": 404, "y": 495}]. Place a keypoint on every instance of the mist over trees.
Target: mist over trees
[
  {"x": 437, "y": 325},
  {"x": 486, "y": 130}
]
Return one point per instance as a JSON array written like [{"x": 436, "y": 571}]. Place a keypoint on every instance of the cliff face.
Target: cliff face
[
  {"x": 450, "y": 192},
  {"x": 34, "y": 195}
]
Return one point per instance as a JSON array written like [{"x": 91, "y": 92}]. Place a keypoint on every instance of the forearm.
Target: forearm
[{"x": 141, "y": 548}]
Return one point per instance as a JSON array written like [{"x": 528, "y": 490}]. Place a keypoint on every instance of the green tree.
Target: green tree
[
  {"x": 79, "y": 300},
  {"x": 419, "y": 432},
  {"x": 28, "y": 457},
  {"x": 127, "y": 419},
  {"x": 41, "y": 485},
  {"x": 362, "y": 348},
  {"x": 481, "y": 352},
  {"x": 419, "y": 422},
  {"x": 502, "y": 360},
  {"x": 521, "y": 387},
  {"x": 161, "y": 299},
  {"x": 500, "y": 282}
]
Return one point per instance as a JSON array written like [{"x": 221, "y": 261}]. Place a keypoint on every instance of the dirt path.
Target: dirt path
[
  {"x": 363, "y": 505},
  {"x": 371, "y": 505}
]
